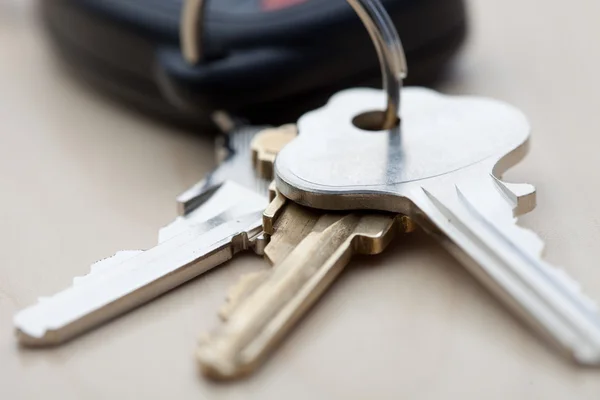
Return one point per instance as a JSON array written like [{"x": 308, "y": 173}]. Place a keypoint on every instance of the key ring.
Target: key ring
[
  {"x": 381, "y": 29},
  {"x": 389, "y": 51}
]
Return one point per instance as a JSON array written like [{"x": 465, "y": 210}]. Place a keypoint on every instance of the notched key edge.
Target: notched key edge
[
  {"x": 210, "y": 353},
  {"x": 42, "y": 330},
  {"x": 579, "y": 340}
]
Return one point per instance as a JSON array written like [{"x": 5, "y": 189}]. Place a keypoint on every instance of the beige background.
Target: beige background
[{"x": 82, "y": 177}]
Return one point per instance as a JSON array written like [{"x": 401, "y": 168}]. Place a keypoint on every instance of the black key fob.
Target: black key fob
[{"x": 267, "y": 61}]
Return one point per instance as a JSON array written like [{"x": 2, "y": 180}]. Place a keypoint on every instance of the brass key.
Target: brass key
[{"x": 309, "y": 249}]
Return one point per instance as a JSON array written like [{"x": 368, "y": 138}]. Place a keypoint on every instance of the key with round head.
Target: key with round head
[{"x": 442, "y": 166}]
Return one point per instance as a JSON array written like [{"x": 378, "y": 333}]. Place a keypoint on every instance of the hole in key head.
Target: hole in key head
[{"x": 372, "y": 121}]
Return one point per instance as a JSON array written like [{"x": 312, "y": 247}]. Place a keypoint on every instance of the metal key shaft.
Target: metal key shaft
[
  {"x": 221, "y": 216},
  {"x": 308, "y": 249}
]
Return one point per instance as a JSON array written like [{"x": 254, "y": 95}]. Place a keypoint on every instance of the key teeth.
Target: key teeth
[
  {"x": 521, "y": 195},
  {"x": 47, "y": 336},
  {"x": 105, "y": 265},
  {"x": 527, "y": 236}
]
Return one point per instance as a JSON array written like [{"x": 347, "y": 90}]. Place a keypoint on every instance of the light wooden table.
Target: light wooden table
[{"x": 82, "y": 177}]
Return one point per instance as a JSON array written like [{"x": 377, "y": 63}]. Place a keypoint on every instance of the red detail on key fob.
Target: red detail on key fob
[{"x": 272, "y": 5}]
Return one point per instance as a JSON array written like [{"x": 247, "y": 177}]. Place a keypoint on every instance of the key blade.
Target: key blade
[
  {"x": 507, "y": 259},
  {"x": 268, "y": 307},
  {"x": 229, "y": 200},
  {"x": 220, "y": 216},
  {"x": 105, "y": 265},
  {"x": 137, "y": 280}
]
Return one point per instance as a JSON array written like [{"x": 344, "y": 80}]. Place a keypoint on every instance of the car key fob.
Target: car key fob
[{"x": 267, "y": 61}]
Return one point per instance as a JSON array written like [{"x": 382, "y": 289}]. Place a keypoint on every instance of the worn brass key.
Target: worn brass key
[{"x": 309, "y": 249}]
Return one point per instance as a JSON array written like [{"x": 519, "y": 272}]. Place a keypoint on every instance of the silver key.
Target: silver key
[
  {"x": 222, "y": 215},
  {"x": 442, "y": 167}
]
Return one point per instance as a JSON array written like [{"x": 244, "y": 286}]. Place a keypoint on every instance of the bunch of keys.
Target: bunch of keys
[{"x": 351, "y": 182}]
